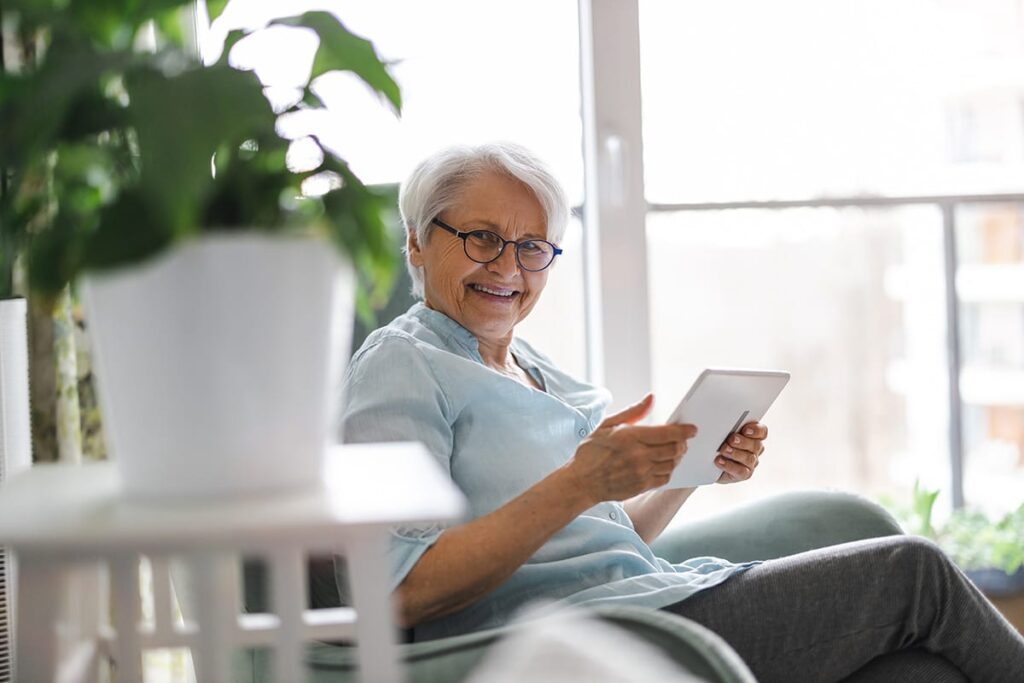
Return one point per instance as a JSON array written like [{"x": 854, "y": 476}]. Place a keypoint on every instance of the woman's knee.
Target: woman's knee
[
  {"x": 916, "y": 557},
  {"x": 921, "y": 548}
]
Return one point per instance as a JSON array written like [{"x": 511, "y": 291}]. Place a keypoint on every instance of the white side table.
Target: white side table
[{"x": 64, "y": 522}]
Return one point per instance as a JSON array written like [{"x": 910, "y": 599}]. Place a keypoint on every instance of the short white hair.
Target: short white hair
[{"x": 434, "y": 186}]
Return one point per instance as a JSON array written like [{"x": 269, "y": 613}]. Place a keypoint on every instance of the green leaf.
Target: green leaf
[
  {"x": 128, "y": 231},
  {"x": 214, "y": 8},
  {"x": 53, "y": 256},
  {"x": 922, "y": 504},
  {"x": 181, "y": 121},
  {"x": 36, "y": 109},
  {"x": 116, "y": 22},
  {"x": 230, "y": 40},
  {"x": 342, "y": 50},
  {"x": 170, "y": 27},
  {"x": 92, "y": 113},
  {"x": 355, "y": 218},
  {"x": 248, "y": 188}
]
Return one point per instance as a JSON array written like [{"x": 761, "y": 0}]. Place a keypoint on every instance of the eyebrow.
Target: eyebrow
[{"x": 494, "y": 227}]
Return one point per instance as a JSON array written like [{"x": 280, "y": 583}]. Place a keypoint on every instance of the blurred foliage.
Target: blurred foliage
[
  {"x": 972, "y": 540},
  {"x": 106, "y": 150}
]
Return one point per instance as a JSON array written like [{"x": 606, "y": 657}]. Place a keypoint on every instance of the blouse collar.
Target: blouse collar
[{"x": 446, "y": 328}]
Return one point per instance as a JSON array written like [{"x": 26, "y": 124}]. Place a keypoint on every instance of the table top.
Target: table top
[{"x": 81, "y": 509}]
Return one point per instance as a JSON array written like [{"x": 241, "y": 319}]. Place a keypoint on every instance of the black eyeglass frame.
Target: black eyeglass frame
[{"x": 504, "y": 243}]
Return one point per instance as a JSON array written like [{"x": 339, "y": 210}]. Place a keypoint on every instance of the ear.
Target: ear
[{"x": 412, "y": 246}]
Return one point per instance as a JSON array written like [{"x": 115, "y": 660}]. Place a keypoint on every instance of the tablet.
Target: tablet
[{"x": 720, "y": 402}]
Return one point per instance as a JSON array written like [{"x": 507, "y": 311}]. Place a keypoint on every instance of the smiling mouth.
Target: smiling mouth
[{"x": 494, "y": 293}]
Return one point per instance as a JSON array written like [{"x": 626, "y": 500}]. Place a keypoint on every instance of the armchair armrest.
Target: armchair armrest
[
  {"x": 777, "y": 526},
  {"x": 451, "y": 660}
]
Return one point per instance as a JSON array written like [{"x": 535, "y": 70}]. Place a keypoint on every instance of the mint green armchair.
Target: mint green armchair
[{"x": 775, "y": 527}]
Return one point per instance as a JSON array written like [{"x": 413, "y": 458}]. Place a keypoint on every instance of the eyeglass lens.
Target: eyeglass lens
[{"x": 484, "y": 246}]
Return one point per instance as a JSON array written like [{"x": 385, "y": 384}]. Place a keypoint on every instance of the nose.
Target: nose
[{"x": 506, "y": 264}]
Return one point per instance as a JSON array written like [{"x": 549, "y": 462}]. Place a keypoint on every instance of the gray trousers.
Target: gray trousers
[{"x": 886, "y": 609}]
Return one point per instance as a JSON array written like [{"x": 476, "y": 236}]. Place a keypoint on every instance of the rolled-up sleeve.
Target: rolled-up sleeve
[{"x": 391, "y": 393}]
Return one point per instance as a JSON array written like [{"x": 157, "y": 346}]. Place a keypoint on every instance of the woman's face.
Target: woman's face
[{"x": 453, "y": 282}]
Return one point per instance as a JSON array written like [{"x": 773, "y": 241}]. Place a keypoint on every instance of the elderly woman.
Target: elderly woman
[{"x": 564, "y": 500}]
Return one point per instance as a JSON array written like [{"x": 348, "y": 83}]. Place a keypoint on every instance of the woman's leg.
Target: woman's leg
[
  {"x": 824, "y": 614},
  {"x": 909, "y": 666}
]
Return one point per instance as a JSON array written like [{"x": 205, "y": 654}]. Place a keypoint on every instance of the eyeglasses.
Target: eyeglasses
[{"x": 484, "y": 246}]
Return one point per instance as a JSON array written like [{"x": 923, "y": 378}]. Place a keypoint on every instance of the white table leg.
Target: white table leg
[
  {"x": 289, "y": 590},
  {"x": 215, "y": 577},
  {"x": 369, "y": 575},
  {"x": 124, "y": 580},
  {"x": 39, "y": 595},
  {"x": 163, "y": 624},
  {"x": 87, "y": 609}
]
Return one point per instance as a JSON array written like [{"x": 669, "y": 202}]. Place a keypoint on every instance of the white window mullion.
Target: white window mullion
[{"x": 614, "y": 216}]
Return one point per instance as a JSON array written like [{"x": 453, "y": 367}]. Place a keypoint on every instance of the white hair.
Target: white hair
[{"x": 436, "y": 183}]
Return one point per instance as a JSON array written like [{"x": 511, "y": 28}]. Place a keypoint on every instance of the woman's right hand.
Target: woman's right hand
[{"x": 621, "y": 459}]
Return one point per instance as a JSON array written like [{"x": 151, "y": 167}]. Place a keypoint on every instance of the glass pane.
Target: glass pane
[
  {"x": 990, "y": 285},
  {"x": 466, "y": 77},
  {"x": 849, "y": 301},
  {"x": 799, "y": 98}
]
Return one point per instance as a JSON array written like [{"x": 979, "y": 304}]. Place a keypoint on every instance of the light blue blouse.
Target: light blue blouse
[{"x": 421, "y": 378}]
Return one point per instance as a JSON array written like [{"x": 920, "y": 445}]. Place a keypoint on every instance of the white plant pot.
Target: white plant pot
[
  {"x": 15, "y": 427},
  {"x": 218, "y": 364},
  {"x": 15, "y": 451}
]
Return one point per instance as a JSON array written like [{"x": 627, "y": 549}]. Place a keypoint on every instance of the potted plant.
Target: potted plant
[
  {"x": 218, "y": 306},
  {"x": 990, "y": 552}
]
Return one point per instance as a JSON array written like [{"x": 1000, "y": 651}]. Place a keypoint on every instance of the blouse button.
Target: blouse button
[
  {"x": 582, "y": 432},
  {"x": 613, "y": 515}
]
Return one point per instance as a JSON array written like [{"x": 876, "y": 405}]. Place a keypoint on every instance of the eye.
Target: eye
[
  {"x": 533, "y": 248},
  {"x": 484, "y": 238}
]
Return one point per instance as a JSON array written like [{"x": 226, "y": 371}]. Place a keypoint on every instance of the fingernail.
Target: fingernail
[
  {"x": 720, "y": 460},
  {"x": 736, "y": 440},
  {"x": 748, "y": 431},
  {"x": 728, "y": 449}
]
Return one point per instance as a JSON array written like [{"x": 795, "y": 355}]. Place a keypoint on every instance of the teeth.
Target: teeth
[{"x": 495, "y": 292}]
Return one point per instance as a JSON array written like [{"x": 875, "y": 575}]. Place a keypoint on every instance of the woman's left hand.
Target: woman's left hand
[{"x": 738, "y": 456}]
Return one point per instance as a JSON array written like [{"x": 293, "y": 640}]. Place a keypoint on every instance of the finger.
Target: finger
[
  {"x": 755, "y": 430},
  {"x": 665, "y": 466},
  {"x": 654, "y": 435},
  {"x": 631, "y": 414},
  {"x": 662, "y": 471},
  {"x": 741, "y": 443},
  {"x": 663, "y": 453},
  {"x": 736, "y": 470},
  {"x": 742, "y": 457}
]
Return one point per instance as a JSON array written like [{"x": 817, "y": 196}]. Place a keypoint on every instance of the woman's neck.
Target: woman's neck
[{"x": 495, "y": 352}]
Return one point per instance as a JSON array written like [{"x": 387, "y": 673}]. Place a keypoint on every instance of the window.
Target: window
[{"x": 755, "y": 112}]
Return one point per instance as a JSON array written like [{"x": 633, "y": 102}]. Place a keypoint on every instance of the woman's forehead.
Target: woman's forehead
[{"x": 498, "y": 202}]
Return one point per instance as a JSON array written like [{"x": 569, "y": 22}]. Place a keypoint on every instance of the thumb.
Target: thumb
[{"x": 630, "y": 414}]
